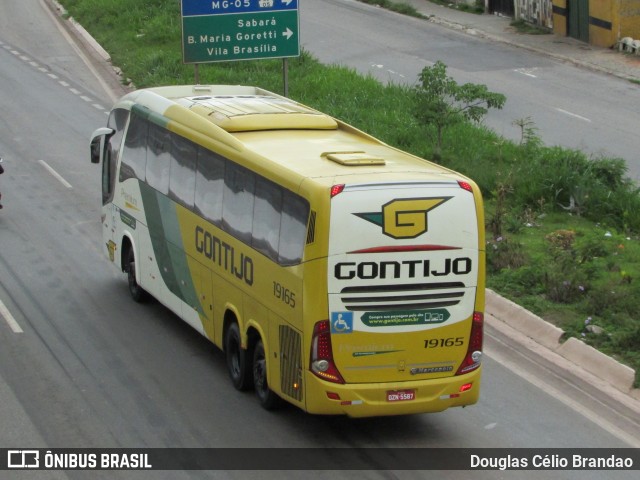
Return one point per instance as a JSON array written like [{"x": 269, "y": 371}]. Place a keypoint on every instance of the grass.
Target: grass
[
  {"x": 528, "y": 28},
  {"x": 574, "y": 273},
  {"x": 398, "y": 7},
  {"x": 477, "y": 7},
  {"x": 562, "y": 227}
]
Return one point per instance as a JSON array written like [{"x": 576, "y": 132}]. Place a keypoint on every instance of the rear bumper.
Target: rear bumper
[{"x": 370, "y": 399}]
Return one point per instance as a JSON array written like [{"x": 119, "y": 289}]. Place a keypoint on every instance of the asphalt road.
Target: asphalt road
[
  {"x": 90, "y": 368},
  {"x": 570, "y": 106}
]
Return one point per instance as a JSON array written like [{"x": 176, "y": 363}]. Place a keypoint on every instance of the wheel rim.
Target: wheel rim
[
  {"x": 260, "y": 374},
  {"x": 131, "y": 275},
  {"x": 234, "y": 358}
]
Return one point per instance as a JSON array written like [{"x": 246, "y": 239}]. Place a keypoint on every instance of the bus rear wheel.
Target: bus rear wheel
[
  {"x": 237, "y": 359},
  {"x": 138, "y": 293},
  {"x": 266, "y": 397}
]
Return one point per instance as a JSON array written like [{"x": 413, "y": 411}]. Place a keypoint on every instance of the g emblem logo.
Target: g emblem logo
[{"x": 406, "y": 218}]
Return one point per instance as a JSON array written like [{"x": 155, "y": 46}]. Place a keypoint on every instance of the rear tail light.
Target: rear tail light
[
  {"x": 336, "y": 190},
  {"x": 473, "y": 358},
  {"x": 322, "y": 364},
  {"x": 465, "y": 186}
]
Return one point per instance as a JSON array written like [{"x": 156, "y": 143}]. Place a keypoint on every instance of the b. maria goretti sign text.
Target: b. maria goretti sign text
[{"x": 224, "y": 30}]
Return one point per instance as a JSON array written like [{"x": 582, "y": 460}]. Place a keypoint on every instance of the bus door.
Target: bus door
[{"x": 106, "y": 145}]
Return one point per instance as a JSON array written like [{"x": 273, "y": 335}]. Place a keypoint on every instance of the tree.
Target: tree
[{"x": 441, "y": 102}]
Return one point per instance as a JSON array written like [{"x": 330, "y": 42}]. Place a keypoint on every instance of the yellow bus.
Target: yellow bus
[{"x": 337, "y": 273}]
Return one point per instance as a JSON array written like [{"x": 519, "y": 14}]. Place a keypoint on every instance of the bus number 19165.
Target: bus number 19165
[
  {"x": 284, "y": 294},
  {"x": 444, "y": 342}
]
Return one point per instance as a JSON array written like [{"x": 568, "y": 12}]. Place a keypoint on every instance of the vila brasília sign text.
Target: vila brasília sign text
[{"x": 223, "y": 30}]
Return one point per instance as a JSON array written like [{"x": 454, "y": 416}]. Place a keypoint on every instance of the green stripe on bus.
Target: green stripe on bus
[
  {"x": 168, "y": 249},
  {"x": 153, "y": 117}
]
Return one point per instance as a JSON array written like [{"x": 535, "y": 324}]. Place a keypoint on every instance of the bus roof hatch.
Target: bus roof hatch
[
  {"x": 353, "y": 159},
  {"x": 243, "y": 113}
]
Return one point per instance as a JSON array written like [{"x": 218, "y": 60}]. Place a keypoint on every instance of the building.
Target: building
[{"x": 598, "y": 22}]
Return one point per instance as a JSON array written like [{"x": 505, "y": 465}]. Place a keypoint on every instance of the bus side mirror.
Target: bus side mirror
[{"x": 99, "y": 143}]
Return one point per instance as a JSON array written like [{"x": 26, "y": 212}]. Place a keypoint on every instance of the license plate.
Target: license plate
[{"x": 400, "y": 395}]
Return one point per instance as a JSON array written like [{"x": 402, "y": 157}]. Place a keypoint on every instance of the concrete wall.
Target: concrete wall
[
  {"x": 559, "y": 17},
  {"x": 609, "y": 20},
  {"x": 629, "y": 19},
  {"x": 602, "y": 22},
  {"x": 537, "y": 12}
]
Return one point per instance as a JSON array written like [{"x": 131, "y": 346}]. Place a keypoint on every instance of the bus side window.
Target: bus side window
[
  {"x": 266, "y": 218},
  {"x": 134, "y": 152},
  {"x": 117, "y": 121},
  {"x": 209, "y": 185},
  {"x": 182, "y": 184},
  {"x": 237, "y": 202},
  {"x": 158, "y": 158},
  {"x": 293, "y": 229}
]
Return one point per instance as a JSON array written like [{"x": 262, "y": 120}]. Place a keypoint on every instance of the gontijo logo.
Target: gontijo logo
[{"x": 406, "y": 218}]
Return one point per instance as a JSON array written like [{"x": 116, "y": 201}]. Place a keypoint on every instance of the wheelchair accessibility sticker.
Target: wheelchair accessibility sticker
[{"x": 341, "y": 322}]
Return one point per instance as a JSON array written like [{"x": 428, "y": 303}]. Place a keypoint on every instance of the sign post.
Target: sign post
[{"x": 225, "y": 30}]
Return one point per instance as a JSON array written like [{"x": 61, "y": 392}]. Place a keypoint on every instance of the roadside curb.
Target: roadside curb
[
  {"x": 87, "y": 36},
  {"x": 94, "y": 44},
  {"x": 619, "y": 376},
  {"x": 96, "y": 58}
]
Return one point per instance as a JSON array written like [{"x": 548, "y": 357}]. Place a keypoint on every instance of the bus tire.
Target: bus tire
[
  {"x": 138, "y": 293},
  {"x": 237, "y": 359},
  {"x": 267, "y": 398}
]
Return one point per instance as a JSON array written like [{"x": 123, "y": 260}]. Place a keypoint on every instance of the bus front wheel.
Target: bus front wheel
[
  {"x": 138, "y": 293},
  {"x": 266, "y": 397},
  {"x": 237, "y": 359}
]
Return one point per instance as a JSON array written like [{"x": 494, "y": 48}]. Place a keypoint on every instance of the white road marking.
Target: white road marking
[
  {"x": 395, "y": 73},
  {"x": 574, "y": 115},
  {"x": 53, "y": 76},
  {"x": 4, "y": 311},
  {"x": 527, "y": 71},
  {"x": 564, "y": 398},
  {"x": 113, "y": 95},
  {"x": 380, "y": 66},
  {"x": 59, "y": 177}
]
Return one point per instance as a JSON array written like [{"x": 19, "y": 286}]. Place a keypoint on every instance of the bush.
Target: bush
[{"x": 503, "y": 253}]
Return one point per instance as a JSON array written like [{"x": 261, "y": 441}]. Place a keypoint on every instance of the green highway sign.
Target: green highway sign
[{"x": 224, "y": 30}]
